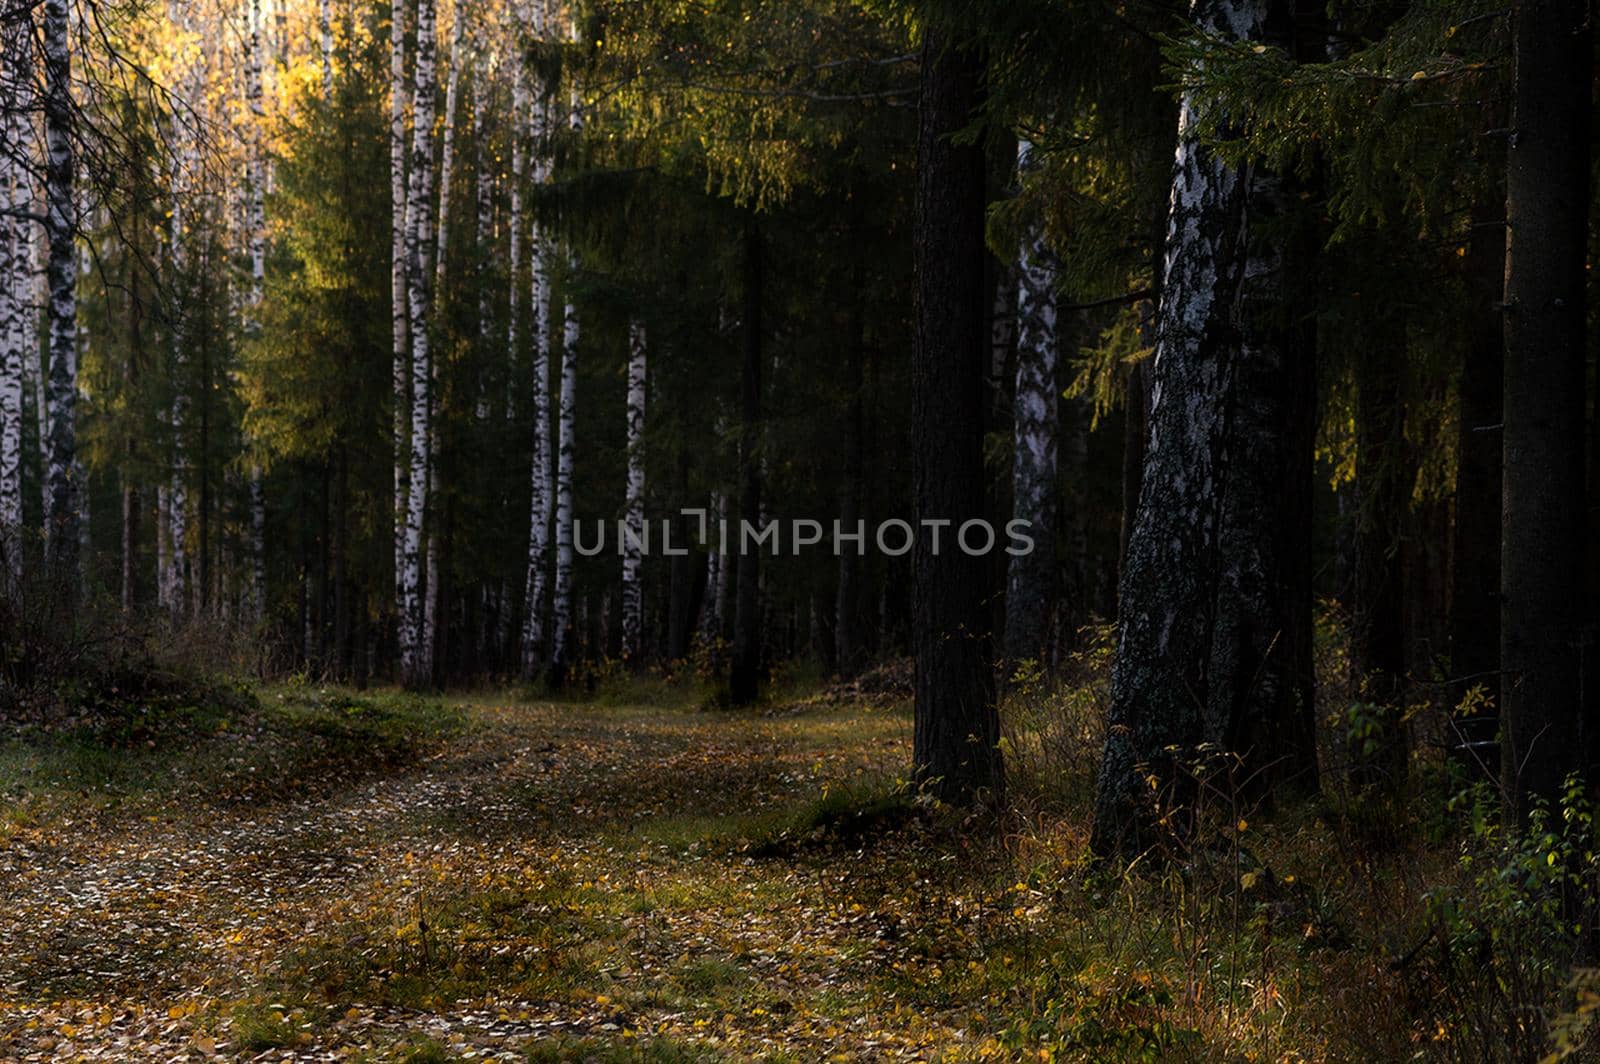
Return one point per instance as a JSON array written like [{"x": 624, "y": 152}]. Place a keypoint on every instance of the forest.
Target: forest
[{"x": 719, "y": 530}]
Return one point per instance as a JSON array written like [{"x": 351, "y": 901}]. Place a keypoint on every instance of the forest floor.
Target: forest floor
[
  {"x": 487, "y": 880},
  {"x": 327, "y": 876}
]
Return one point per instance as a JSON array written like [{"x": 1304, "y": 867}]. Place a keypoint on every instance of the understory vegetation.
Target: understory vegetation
[{"x": 300, "y": 871}]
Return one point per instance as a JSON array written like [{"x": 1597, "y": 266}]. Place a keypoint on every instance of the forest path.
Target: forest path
[{"x": 559, "y": 879}]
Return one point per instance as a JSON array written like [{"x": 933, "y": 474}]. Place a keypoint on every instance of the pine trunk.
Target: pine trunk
[
  {"x": 1542, "y": 536},
  {"x": 847, "y": 650},
  {"x": 1475, "y": 574},
  {"x": 744, "y": 678},
  {"x": 956, "y": 750}
]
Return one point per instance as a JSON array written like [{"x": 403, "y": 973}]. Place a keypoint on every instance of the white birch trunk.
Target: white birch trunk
[
  {"x": 61, "y": 520},
  {"x": 441, "y": 245},
  {"x": 15, "y": 275},
  {"x": 447, "y": 154},
  {"x": 519, "y": 108},
  {"x": 561, "y": 607},
  {"x": 257, "y": 238},
  {"x": 1029, "y": 600},
  {"x": 397, "y": 291},
  {"x": 34, "y": 369},
  {"x": 173, "y": 576},
  {"x": 632, "y": 556},
  {"x": 716, "y": 570},
  {"x": 541, "y": 494},
  {"x": 484, "y": 234},
  {"x": 415, "y": 665},
  {"x": 325, "y": 34}
]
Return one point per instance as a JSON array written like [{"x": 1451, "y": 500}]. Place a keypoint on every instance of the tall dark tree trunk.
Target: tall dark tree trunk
[
  {"x": 130, "y": 540},
  {"x": 847, "y": 652},
  {"x": 1475, "y": 575},
  {"x": 1214, "y": 604},
  {"x": 956, "y": 745},
  {"x": 744, "y": 678},
  {"x": 680, "y": 593},
  {"x": 1542, "y": 537},
  {"x": 341, "y": 570},
  {"x": 1378, "y": 628},
  {"x": 1135, "y": 428}
]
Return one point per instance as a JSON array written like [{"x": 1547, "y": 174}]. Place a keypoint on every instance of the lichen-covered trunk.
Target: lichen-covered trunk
[
  {"x": 633, "y": 505},
  {"x": 955, "y": 748},
  {"x": 415, "y": 650},
  {"x": 1211, "y": 597},
  {"x": 1032, "y": 581},
  {"x": 61, "y": 448},
  {"x": 1542, "y": 535}
]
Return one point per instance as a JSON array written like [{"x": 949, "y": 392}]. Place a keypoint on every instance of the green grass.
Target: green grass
[
  {"x": 254, "y": 747},
  {"x": 602, "y": 1051}
]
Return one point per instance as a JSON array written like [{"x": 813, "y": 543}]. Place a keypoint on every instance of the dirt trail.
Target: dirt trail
[{"x": 142, "y": 937}]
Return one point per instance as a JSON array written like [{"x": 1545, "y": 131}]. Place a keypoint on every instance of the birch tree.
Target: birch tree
[
  {"x": 1030, "y": 598},
  {"x": 256, "y": 237},
  {"x": 415, "y": 654},
  {"x": 446, "y": 169},
  {"x": 561, "y": 606},
  {"x": 632, "y": 555},
  {"x": 61, "y": 447},
  {"x": 325, "y": 40},
  {"x": 401, "y": 378},
  {"x": 174, "y": 574},
  {"x": 542, "y": 488},
  {"x": 16, "y": 268},
  {"x": 1207, "y": 624}
]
